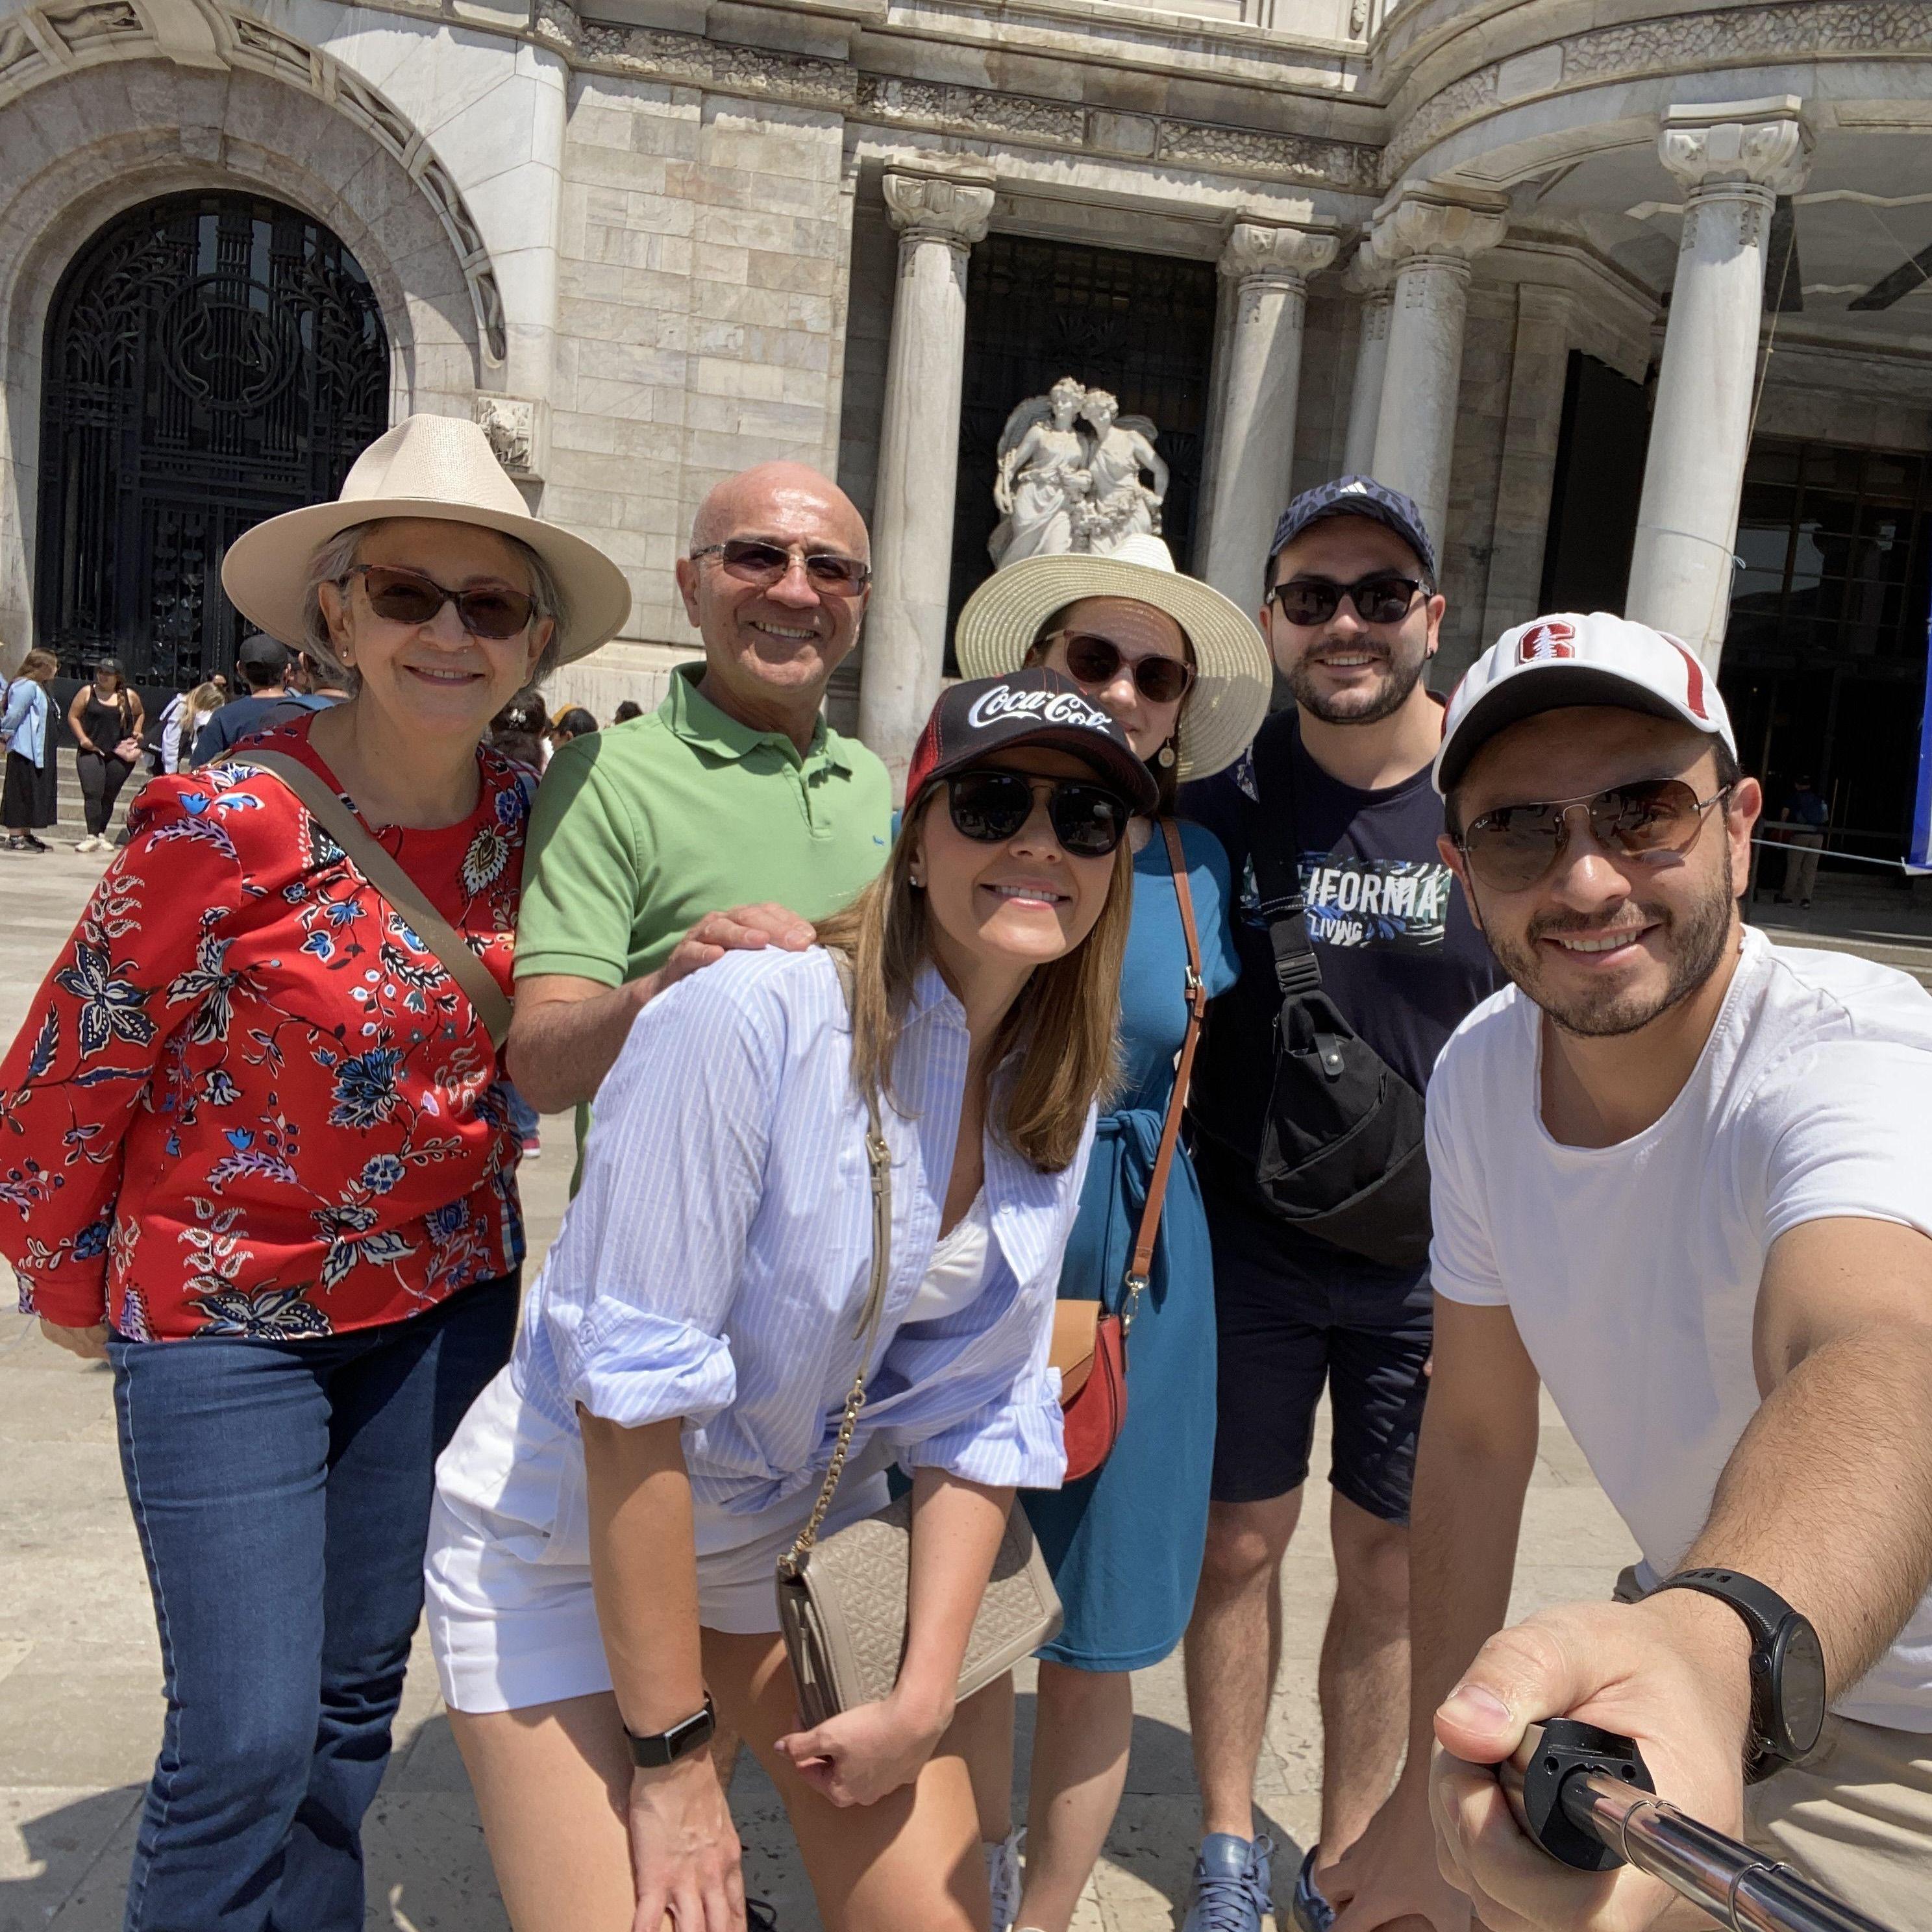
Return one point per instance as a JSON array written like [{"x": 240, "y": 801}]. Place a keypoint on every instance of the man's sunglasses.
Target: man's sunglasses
[
  {"x": 1096, "y": 660},
  {"x": 765, "y": 564},
  {"x": 1512, "y": 847},
  {"x": 408, "y": 597},
  {"x": 991, "y": 807},
  {"x": 1382, "y": 599}
]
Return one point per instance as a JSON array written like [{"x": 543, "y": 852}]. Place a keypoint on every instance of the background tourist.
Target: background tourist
[
  {"x": 1809, "y": 815},
  {"x": 572, "y": 722},
  {"x": 1680, "y": 1179},
  {"x": 30, "y": 797},
  {"x": 1338, "y": 791},
  {"x": 106, "y": 719},
  {"x": 264, "y": 666},
  {"x": 1186, "y": 676},
  {"x": 626, "y": 711},
  {"x": 609, "y": 1517},
  {"x": 735, "y": 790},
  {"x": 294, "y": 1229}
]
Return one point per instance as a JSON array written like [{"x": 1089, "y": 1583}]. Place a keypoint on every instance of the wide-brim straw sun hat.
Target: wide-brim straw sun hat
[
  {"x": 441, "y": 468},
  {"x": 1234, "y": 673}
]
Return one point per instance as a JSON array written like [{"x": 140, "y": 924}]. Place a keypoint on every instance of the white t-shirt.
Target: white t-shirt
[
  {"x": 956, "y": 1277},
  {"x": 1632, "y": 1271}
]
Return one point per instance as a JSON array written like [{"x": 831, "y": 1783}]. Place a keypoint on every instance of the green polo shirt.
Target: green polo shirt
[{"x": 640, "y": 829}]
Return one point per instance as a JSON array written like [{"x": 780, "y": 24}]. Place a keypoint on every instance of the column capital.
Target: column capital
[
  {"x": 1761, "y": 144},
  {"x": 1366, "y": 277},
  {"x": 1419, "y": 219},
  {"x": 948, "y": 208},
  {"x": 1261, "y": 251}
]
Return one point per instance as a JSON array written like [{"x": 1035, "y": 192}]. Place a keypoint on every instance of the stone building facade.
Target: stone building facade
[{"x": 1632, "y": 295}]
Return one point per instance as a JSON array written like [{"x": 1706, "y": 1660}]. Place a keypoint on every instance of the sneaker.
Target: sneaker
[
  {"x": 533, "y": 1146},
  {"x": 1233, "y": 1885},
  {"x": 1003, "y": 1878},
  {"x": 90, "y": 844},
  {"x": 1310, "y": 1911},
  {"x": 29, "y": 843}
]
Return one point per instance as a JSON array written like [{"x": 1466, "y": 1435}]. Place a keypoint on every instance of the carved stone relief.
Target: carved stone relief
[{"x": 510, "y": 422}]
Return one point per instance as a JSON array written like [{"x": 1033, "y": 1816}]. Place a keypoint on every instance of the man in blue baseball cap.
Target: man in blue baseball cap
[{"x": 1334, "y": 803}]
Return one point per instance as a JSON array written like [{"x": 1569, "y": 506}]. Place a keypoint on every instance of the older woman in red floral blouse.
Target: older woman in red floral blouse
[{"x": 253, "y": 1146}]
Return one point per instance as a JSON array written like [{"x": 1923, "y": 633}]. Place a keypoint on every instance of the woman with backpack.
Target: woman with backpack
[{"x": 29, "y": 803}]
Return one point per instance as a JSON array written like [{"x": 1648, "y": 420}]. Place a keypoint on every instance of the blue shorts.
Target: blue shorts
[{"x": 1293, "y": 1316}]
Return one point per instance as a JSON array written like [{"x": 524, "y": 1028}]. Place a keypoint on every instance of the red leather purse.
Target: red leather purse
[{"x": 1089, "y": 1345}]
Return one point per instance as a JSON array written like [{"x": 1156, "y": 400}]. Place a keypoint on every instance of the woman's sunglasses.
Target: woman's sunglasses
[
  {"x": 1382, "y": 599},
  {"x": 1096, "y": 660},
  {"x": 1512, "y": 847},
  {"x": 408, "y": 597},
  {"x": 765, "y": 564},
  {"x": 991, "y": 807}
]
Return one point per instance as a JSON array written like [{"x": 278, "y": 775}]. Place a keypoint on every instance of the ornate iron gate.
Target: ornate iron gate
[
  {"x": 211, "y": 360},
  {"x": 1141, "y": 325}
]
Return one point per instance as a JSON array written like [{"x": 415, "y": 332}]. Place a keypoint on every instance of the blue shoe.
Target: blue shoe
[
  {"x": 1232, "y": 1884},
  {"x": 1311, "y": 1912}
]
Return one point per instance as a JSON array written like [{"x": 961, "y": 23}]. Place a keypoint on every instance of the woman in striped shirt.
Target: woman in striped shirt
[{"x": 610, "y": 1514}]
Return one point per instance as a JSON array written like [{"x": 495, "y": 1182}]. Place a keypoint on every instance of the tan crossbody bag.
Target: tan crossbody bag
[
  {"x": 842, "y": 1601},
  {"x": 404, "y": 896}
]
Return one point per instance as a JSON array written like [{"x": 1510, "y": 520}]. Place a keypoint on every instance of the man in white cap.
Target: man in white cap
[{"x": 1680, "y": 1177}]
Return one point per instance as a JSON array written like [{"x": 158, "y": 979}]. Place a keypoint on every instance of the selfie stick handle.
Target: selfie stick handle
[{"x": 1586, "y": 1798}]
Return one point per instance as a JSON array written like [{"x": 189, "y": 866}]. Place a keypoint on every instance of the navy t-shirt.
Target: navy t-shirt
[
  {"x": 1399, "y": 954},
  {"x": 242, "y": 718}
]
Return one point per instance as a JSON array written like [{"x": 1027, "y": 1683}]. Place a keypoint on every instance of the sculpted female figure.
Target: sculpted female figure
[
  {"x": 1118, "y": 505},
  {"x": 1041, "y": 478}
]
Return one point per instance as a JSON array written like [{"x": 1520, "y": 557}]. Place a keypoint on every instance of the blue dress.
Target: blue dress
[{"x": 1124, "y": 1543}]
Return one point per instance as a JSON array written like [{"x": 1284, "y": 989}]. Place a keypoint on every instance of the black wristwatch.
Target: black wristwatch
[
  {"x": 1787, "y": 1668},
  {"x": 686, "y": 1735}
]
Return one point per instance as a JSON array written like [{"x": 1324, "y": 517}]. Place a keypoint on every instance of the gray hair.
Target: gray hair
[{"x": 336, "y": 558}]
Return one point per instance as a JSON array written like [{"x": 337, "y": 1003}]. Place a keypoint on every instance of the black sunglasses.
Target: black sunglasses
[
  {"x": 1097, "y": 660},
  {"x": 408, "y": 597},
  {"x": 991, "y": 807},
  {"x": 1512, "y": 847},
  {"x": 1383, "y": 598},
  {"x": 765, "y": 564}
]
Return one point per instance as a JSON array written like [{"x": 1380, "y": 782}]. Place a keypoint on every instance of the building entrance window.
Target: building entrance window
[
  {"x": 1824, "y": 661},
  {"x": 1142, "y": 326},
  {"x": 211, "y": 360}
]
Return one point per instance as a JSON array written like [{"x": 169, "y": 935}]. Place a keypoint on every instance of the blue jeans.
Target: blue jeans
[{"x": 282, "y": 1493}]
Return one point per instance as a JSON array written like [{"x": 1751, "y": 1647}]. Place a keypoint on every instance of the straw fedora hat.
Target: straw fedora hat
[
  {"x": 439, "y": 467},
  {"x": 1234, "y": 674}
]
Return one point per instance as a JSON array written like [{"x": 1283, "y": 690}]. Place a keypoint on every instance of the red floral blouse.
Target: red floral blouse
[{"x": 247, "y": 1101}]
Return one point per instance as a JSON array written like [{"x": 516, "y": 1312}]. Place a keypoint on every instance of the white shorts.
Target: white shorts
[{"x": 511, "y": 1617}]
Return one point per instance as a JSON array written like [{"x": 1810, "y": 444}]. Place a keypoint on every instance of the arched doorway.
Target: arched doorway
[{"x": 211, "y": 359}]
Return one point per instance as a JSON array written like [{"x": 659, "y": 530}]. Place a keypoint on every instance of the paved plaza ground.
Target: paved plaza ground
[{"x": 80, "y": 1708}]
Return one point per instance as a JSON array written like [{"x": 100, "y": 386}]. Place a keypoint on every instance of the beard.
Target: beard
[
  {"x": 1403, "y": 665},
  {"x": 1694, "y": 939}
]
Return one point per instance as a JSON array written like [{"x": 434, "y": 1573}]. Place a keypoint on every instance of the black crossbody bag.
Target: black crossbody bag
[{"x": 1341, "y": 1154}]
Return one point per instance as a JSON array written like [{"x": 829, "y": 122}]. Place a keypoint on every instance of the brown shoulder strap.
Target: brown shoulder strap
[
  {"x": 1170, "y": 1132},
  {"x": 380, "y": 868}
]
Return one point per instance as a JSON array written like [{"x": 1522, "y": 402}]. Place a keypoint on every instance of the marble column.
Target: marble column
[
  {"x": 1269, "y": 268},
  {"x": 1426, "y": 238},
  {"x": 939, "y": 217},
  {"x": 1735, "y": 159},
  {"x": 1377, "y": 290}
]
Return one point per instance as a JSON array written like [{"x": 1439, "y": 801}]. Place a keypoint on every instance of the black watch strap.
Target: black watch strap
[
  {"x": 687, "y": 1735},
  {"x": 1762, "y": 1610}
]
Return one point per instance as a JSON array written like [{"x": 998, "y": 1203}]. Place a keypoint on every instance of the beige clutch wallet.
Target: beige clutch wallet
[{"x": 842, "y": 1601}]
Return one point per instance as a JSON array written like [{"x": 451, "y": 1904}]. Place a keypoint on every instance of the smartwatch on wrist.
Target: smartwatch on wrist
[
  {"x": 1787, "y": 1668},
  {"x": 687, "y": 1735}
]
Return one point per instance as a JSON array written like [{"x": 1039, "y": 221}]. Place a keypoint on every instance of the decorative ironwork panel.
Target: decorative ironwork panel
[
  {"x": 211, "y": 360},
  {"x": 1140, "y": 325}
]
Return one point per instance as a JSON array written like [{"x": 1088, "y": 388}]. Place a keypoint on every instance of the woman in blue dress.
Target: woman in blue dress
[{"x": 1187, "y": 675}]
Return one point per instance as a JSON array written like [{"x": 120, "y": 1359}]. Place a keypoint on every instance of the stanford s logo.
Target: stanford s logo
[{"x": 1541, "y": 643}]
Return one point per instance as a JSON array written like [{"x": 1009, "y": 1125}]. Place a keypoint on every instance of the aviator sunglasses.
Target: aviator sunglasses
[
  {"x": 765, "y": 564},
  {"x": 993, "y": 806},
  {"x": 1514, "y": 846},
  {"x": 1383, "y": 597},
  {"x": 1097, "y": 660},
  {"x": 408, "y": 597}
]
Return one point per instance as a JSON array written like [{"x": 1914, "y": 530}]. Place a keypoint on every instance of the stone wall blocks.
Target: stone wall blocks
[
  {"x": 585, "y": 510},
  {"x": 718, "y": 338},
  {"x": 814, "y": 275},
  {"x": 592, "y": 123},
  {"x": 615, "y": 167},
  {"x": 719, "y": 375},
  {"x": 589, "y": 281},
  {"x": 654, "y": 288},
  {"x": 738, "y": 302}
]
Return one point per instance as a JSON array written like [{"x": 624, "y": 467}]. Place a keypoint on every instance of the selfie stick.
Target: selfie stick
[{"x": 1585, "y": 1796}]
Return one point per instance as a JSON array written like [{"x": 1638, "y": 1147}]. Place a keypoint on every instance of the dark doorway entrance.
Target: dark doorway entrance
[
  {"x": 211, "y": 360},
  {"x": 1593, "y": 500},
  {"x": 1824, "y": 662},
  {"x": 1140, "y": 325}
]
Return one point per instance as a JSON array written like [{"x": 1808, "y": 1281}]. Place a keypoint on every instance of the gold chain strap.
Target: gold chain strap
[{"x": 879, "y": 1157}]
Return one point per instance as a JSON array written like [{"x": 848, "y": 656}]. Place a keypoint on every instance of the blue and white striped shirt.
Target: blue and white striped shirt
[{"x": 714, "y": 1264}]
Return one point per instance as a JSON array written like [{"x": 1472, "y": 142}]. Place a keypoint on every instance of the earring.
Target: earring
[
  {"x": 1165, "y": 756},
  {"x": 913, "y": 880}
]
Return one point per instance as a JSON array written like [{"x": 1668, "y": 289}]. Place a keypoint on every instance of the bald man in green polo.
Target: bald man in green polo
[{"x": 734, "y": 793}]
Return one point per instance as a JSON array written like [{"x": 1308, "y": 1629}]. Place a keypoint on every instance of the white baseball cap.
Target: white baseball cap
[{"x": 1572, "y": 658}]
